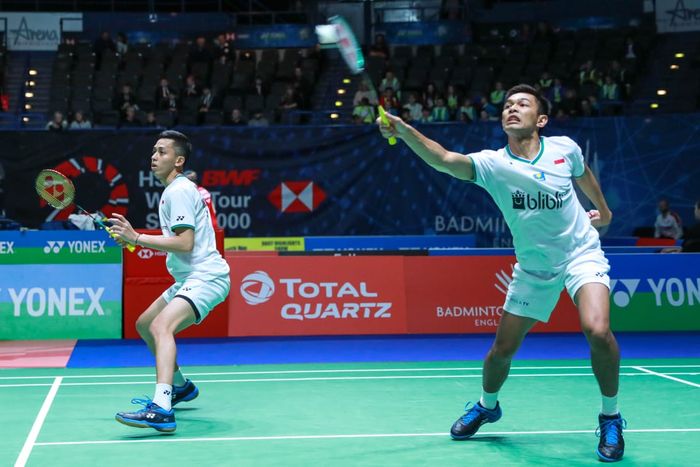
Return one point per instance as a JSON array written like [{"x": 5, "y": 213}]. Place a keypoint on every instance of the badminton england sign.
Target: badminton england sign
[
  {"x": 60, "y": 285},
  {"x": 677, "y": 15},
  {"x": 38, "y": 31}
]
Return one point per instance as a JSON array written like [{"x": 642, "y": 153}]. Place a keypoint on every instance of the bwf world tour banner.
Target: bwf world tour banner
[{"x": 314, "y": 181}]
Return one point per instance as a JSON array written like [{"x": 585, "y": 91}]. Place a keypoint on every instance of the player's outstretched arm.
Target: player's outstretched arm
[
  {"x": 602, "y": 216},
  {"x": 431, "y": 152},
  {"x": 181, "y": 242}
]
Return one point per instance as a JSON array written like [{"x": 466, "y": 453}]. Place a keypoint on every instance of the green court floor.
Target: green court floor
[{"x": 374, "y": 414}]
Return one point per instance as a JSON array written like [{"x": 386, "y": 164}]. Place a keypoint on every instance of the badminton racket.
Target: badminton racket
[
  {"x": 351, "y": 52},
  {"x": 57, "y": 190}
]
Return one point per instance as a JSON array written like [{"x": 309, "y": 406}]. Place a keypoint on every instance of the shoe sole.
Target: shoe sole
[
  {"x": 603, "y": 458},
  {"x": 191, "y": 396},
  {"x": 162, "y": 427}
]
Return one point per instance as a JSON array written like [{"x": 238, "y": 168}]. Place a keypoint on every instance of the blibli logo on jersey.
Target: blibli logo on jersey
[
  {"x": 539, "y": 176},
  {"x": 523, "y": 201}
]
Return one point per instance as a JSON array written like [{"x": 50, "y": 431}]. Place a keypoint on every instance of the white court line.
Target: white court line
[
  {"x": 351, "y": 370},
  {"x": 326, "y": 378},
  {"x": 354, "y": 436},
  {"x": 666, "y": 375},
  {"x": 30, "y": 442}
]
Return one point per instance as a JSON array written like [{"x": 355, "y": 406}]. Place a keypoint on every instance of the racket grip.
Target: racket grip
[
  {"x": 129, "y": 246},
  {"x": 382, "y": 116}
]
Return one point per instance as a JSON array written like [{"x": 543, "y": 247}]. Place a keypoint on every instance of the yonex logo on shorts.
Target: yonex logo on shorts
[
  {"x": 180, "y": 218},
  {"x": 257, "y": 288}
]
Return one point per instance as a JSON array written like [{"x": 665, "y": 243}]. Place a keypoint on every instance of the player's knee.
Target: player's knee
[
  {"x": 597, "y": 332},
  {"x": 142, "y": 327},
  {"x": 158, "y": 328}
]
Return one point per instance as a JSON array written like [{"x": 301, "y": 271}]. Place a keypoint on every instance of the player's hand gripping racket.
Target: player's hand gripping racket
[
  {"x": 352, "y": 54},
  {"x": 57, "y": 190}
]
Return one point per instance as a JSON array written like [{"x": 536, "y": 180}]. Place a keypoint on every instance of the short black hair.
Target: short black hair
[
  {"x": 543, "y": 105},
  {"x": 181, "y": 143}
]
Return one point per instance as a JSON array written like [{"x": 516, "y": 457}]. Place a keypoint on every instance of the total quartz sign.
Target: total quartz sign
[{"x": 317, "y": 296}]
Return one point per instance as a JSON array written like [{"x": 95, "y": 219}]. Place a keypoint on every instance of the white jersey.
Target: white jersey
[
  {"x": 181, "y": 205},
  {"x": 538, "y": 201}
]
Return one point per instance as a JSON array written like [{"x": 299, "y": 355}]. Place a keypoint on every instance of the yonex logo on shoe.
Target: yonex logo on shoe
[{"x": 257, "y": 288}]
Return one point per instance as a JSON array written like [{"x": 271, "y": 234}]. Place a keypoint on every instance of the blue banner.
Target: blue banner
[
  {"x": 426, "y": 32},
  {"x": 345, "y": 180}
]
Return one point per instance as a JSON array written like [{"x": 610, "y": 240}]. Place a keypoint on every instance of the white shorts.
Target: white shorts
[
  {"x": 534, "y": 294},
  {"x": 203, "y": 296}
]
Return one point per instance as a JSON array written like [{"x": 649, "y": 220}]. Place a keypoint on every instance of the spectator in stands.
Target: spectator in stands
[
  {"x": 570, "y": 103},
  {"x": 429, "y": 95},
  {"x": 405, "y": 115},
  {"x": 104, "y": 42},
  {"x": 546, "y": 81},
  {"x": 122, "y": 45},
  {"x": 151, "y": 120},
  {"x": 163, "y": 94},
  {"x": 191, "y": 87},
  {"x": 258, "y": 120},
  {"x": 498, "y": 95},
  {"x": 259, "y": 88},
  {"x": 467, "y": 112},
  {"x": 587, "y": 109},
  {"x": 390, "y": 81},
  {"x": 630, "y": 49},
  {"x": 236, "y": 118},
  {"x": 415, "y": 108},
  {"x": 80, "y": 122},
  {"x": 440, "y": 112},
  {"x": 556, "y": 93},
  {"x": 303, "y": 87},
  {"x": 691, "y": 242},
  {"x": 493, "y": 112},
  {"x": 364, "y": 112},
  {"x": 363, "y": 90},
  {"x": 561, "y": 115},
  {"x": 388, "y": 99},
  {"x": 130, "y": 119},
  {"x": 125, "y": 99},
  {"x": 588, "y": 74},
  {"x": 668, "y": 223},
  {"x": 288, "y": 103},
  {"x": 426, "y": 116},
  {"x": 392, "y": 107},
  {"x": 222, "y": 47},
  {"x": 379, "y": 48},
  {"x": 484, "y": 116},
  {"x": 205, "y": 103},
  {"x": 57, "y": 123},
  {"x": 200, "y": 53},
  {"x": 452, "y": 100},
  {"x": 610, "y": 90}
]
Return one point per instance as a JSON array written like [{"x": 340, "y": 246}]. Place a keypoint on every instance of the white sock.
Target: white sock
[
  {"x": 163, "y": 395},
  {"x": 610, "y": 406},
  {"x": 179, "y": 379},
  {"x": 489, "y": 399}
]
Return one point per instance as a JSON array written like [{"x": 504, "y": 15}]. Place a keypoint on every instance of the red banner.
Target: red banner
[
  {"x": 312, "y": 295},
  {"x": 146, "y": 277},
  {"x": 453, "y": 294},
  {"x": 298, "y": 295}
]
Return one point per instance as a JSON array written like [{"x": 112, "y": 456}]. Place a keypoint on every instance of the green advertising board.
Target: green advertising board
[{"x": 60, "y": 285}]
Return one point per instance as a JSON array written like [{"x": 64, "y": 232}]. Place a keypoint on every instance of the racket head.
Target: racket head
[
  {"x": 55, "y": 188},
  {"x": 348, "y": 46}
]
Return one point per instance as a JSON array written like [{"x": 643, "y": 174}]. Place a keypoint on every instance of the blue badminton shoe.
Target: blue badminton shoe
[
  {"x": 184, "y": 393},
  {"x": 611, "y": 447},
  {"x": 475, "y": 416},
  {"x": 151, "y": 416}
]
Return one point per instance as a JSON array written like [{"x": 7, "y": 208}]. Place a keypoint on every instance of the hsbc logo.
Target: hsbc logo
[
  {"x": 257, "y": 288},
  {"x": 304, "y": 196},
  {"x": 53, "y": 247},
  {"x": 145, "y": 253}
]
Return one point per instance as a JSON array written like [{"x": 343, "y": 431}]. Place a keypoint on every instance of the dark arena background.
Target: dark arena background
[{"x": 366, "y": 286}]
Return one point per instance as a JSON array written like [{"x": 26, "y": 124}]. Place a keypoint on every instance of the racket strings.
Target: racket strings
[{"x": 55, "y": 190}]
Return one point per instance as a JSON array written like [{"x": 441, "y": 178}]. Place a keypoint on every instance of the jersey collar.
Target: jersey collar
[{"x": 522, "y": 159}]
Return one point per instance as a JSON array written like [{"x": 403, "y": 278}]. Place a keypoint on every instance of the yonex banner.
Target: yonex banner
[
  {"x": 60, "y": 285},
  {"x": 427, "y": 32},
  {"x": 38, "y": 31},
  {"x": 677, "y": 15}
]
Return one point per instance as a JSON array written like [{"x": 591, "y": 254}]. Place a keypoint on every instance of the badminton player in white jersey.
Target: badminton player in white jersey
[
  {"x": 556, "y": 246},
  {"x": 201, "y": 279}
]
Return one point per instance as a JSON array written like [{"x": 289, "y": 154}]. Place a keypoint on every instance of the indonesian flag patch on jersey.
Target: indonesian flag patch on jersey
[{"x": 559, "y": 161}]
